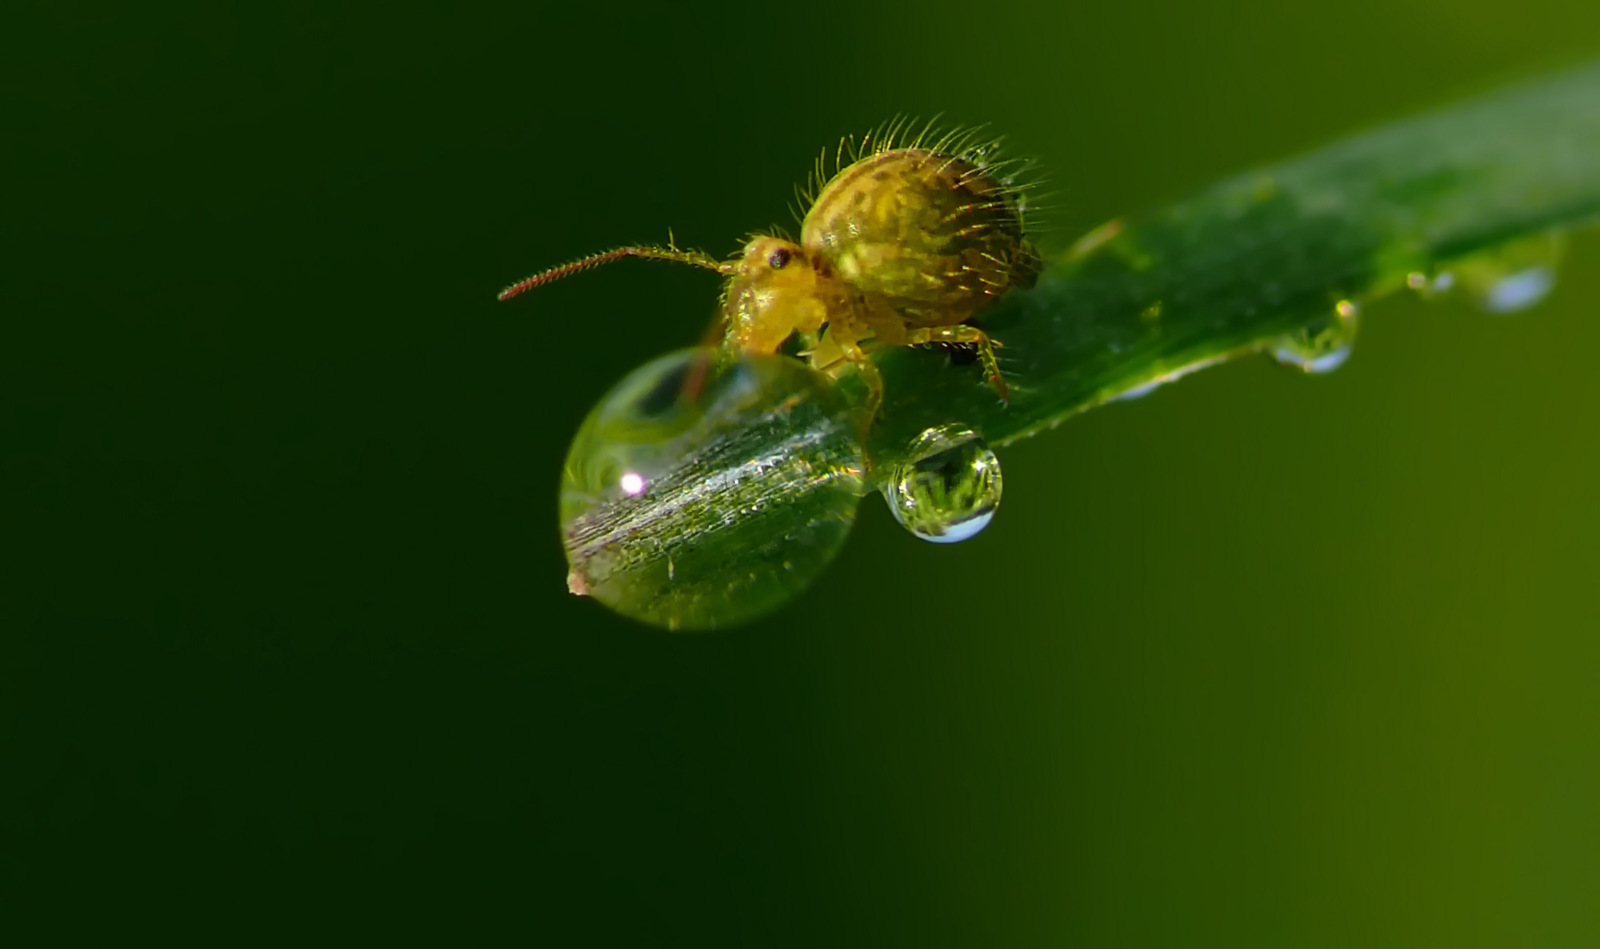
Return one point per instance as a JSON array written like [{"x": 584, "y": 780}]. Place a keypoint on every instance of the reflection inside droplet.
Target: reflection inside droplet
[
  {"x": 947, "y": 488},
  {"x": 1322, "y": 345},
  {"x": 693, "y": 513}
]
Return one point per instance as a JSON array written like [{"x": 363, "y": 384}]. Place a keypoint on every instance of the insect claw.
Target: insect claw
[{"x": 1001, "y": 389}]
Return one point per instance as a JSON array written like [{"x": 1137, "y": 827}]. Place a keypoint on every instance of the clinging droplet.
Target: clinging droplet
[
  {"x": 947, "y": 488},
  {"x": 1518, "y": 291},
  {"x": 1514, "y": 277},
  {"x": 1430, "y": 285},
  {"x": 1506, "y": 279},
  {"x": 1322, "y": 345}
]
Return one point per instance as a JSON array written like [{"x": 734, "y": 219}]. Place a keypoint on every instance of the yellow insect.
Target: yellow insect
[{"x": 900, "y": 247}]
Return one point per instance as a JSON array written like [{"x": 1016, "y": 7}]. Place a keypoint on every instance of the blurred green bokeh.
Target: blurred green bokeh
[{"x": 1261, "y": 659}]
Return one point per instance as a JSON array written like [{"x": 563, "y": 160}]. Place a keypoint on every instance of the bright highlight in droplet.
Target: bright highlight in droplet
[{"x": 701, "y": 512}]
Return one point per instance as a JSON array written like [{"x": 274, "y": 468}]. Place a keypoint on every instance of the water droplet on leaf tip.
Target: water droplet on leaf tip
[{"x": 690, "y": 514}]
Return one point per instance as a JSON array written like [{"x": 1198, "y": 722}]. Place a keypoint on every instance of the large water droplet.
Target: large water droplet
[
  {"x": 695, "y": 513},
  {"x": 947, "y": 488},
  {"x": 1322, "y": 345}
]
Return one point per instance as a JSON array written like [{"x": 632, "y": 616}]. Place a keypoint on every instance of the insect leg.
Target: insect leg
[
  {"x": 873, "y": 380},
  {"x": 834, "y": 353},
  {"x": 970, "y": 336}
]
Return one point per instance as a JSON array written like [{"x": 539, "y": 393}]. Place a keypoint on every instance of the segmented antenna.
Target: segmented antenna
[{"x": 692, "y": 257}]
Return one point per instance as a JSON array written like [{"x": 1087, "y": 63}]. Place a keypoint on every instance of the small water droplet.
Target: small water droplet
[
  {"x": 1513, "y": 278},
  {"x": 1507, "y": 279},
  {"x": 694, "y": 513},
  {"x": 1322, "y": 345},
  {"x": 947, "y": 488},
  {"x": 1430, "y": 285},
  {"x": 1518, "y": 291}
]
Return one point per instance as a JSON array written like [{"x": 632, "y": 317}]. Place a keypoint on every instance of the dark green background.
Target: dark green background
[{"x": 1259, "y": 660}]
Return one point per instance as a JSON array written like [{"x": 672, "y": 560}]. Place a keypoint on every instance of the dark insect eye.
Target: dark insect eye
[{"x": 779, "y": 259}]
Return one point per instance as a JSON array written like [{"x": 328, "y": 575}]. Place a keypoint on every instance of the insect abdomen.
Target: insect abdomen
[{"x": 935, "y": 235}]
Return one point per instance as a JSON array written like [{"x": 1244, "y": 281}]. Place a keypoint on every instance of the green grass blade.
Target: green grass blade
[
  {"x": 1226, "y": 272},
  {"x": 1266, "y": 252}
]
